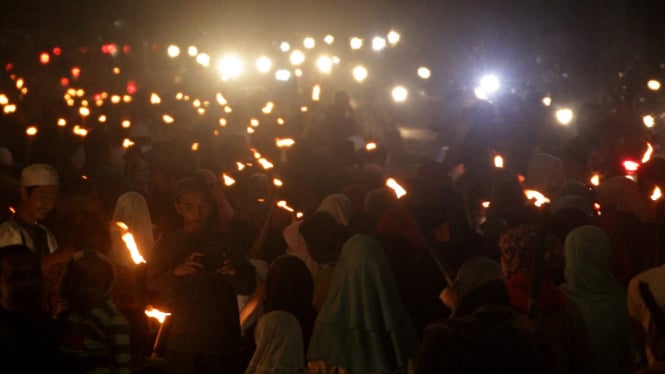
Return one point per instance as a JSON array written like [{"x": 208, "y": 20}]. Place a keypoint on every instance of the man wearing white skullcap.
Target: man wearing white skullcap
[{"x": 39, "y": 191}]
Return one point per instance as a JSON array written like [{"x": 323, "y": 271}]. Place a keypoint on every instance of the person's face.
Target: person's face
[
  {"x": 195, "y": 208},
  {"x": 89, "y": 284},
  {"x": 21, "y": 283},
  {"x": 39, "y": 202}
]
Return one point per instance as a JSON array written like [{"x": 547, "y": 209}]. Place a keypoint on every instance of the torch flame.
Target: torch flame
[
  {"x": 282, "y": 204},
  {"x": 595, "y": 180},
  {"x": 266, "y": 164},
  {"x": 498, "y": 161},
  {"x": 277, "y": 182},
  {"x": 486, "y": 204},
  {"x": 240, "y": 166},
  {"x": 228, "y": 181},
  {"x": 157, "y": 314},
  {"x": 630, "y": 166},
  {"x": 539, "y": 198},
  {"x": 648, "y": 153},
  {"x": 128, "y": 238},
  {"x": 370, "y": 146},
  {"x": 257, "y": 155},
  {"x": 126, "y": 143},
  {"x": 12, "y": 210},
  {"x": 656, "y": 194},
  {"x": 284, "y": 143},
  {"x": 399, "y": 190}
]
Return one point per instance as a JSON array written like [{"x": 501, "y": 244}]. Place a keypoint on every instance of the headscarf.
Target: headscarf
[
  {"x": 476, "y": 272},
  {"x": 363, "y": 326},
  {"x": 545, "y": 173},
  {"x": 131, "y": 208},
  {"x": 518, "y": 247},
  {"x": 279, "y": 347},
  {"x": 398, "y": 220},
  {"x": 622, "y": 195},
  {"x": 224, "y": 210},
  {"x": 602, "y": 301},
  {"x": 290, "y": 287},
  {"x": 339, "y": 206}
]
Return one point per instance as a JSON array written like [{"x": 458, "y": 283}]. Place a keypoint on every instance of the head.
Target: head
[
  {"x": 478, "y": 282},
  {"x": 87, "y": 280},
  {"x": 39, "y": 191},
  {"x": 193, "y": 203},
  {"x": 324, "y": 237},
  {"x": 518, "y": 246},
  {"x": 21, "y": 282},
  {"x": 289, "y": 285}
]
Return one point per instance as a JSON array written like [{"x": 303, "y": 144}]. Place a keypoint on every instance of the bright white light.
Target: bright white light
[
  {"x": 298, "y": 72},
  {"x": 360, "y": 73},
  {"x": 297, "y": 57},
  {"x": 192, "y": 51},
  {"x": 329, "y": 39},
  {"x": 284, "y": 46},
  {"x": 316, "y": 93},
  {"x": 230, "y": 66},
  {"x": 489, "y": 84},
  {"x": 263, "y": 64},
  {"x": 203, "y": 59},
  {"x": 564, "y": 116},
  {"x": 393, "y": 37},
  {"x": 400, "y": 94},
  {"x": 654, "y": 85},
  {"x": 173, "y": 51},
  {"x": 547, "y": 101},
  {"x": 378, "y": 43},
  {"x": 356, "y": 43},
  {"x": 324, "y": 63},
  {"x": 282, "y": 75},
  {"x": 424, "y": 72},
  {"x": 309, "y": 43},
  {"x": 649, "y": 121}
]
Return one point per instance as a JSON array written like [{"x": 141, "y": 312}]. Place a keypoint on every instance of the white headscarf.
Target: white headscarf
[
  {"x": 279, "y": 345},
  {"x": 131, "y": 208}
]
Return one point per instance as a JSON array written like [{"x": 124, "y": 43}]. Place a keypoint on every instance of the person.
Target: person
[
  {"x": 590, "y": 284},
  {"x": 362, "y": 326},
  {"x": 279, "y": 346},
  {"x": 482, "y": 335},
  {"x": 39, "y": 190},
  {"x": 28, "y": 340},
  {"x": 640, "y": 316},
  {"x": 558, "y": 318},
  {"x": 290, "y": 288},
  {"x": 93, "y": 335},
  {"x": 199, "y": 272}
]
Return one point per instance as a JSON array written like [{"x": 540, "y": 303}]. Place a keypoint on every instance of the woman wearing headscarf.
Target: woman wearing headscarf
[
  {"x": 279, "y": 347},
  {"x": 339, "y": 207},
  {"x": 363, "y": 326},
  {"x": 559, "y": 319},
  {"x": 590, "y": 284},
  {"x": 289, "y": 287},
  {"x": 482, "y": 335}
]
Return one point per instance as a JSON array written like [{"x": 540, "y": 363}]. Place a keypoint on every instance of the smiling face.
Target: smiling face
[
  {"x": 195, "y": 208},
  {"x": 37, "y": 202}
]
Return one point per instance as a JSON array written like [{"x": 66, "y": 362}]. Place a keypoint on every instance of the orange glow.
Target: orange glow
[
  {"x": 399, "y": 190},
  {"x": 370, "y": 146},
  {"x": 128, "y": 238},
  {"x": 498, "y": 161},
  {"x": 156, "y": 314},
  {"x": 284, "y": 143},
  {"x": 228, "y": 181},
  {"x": 277, "y": 182},
  {"x": 595, "y": 180},
  {"x": 647, "y": 153},
  {"x": 31, "y": 131},
  {"x": 240, "y": 166},
  {"x": 265, "y": 163},
  {"x": 282, "y": 204},
  {"x": 631, "y": 166},
  {"x": 486, "y": 204},
  {"x": 195, "y": 147},
  {"x": 539, "y": 198},
  {"x": 656, "y": 194}
]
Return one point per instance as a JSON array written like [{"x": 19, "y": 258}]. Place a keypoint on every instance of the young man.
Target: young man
[
  {"x": 199, "y": 271},
  {"x": 39, "y": 191}
]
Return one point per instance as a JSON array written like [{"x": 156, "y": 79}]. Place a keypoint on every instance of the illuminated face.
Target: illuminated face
[
  {"x": 195, "y": 208},
  {"x": 39, "y": 201},
  {"x": 21, "y": 283}
]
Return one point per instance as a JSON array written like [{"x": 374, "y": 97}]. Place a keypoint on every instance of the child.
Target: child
[{"x": 93, "y": 335}]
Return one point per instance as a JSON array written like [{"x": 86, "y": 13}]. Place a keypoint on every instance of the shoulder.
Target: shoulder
[{"x": 10, "y": 233}]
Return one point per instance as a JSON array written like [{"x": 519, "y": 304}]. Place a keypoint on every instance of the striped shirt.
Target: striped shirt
[{"x": 96, "y": 340}]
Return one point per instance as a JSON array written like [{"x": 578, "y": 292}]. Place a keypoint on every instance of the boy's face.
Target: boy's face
[
  {"x": 39, "y": 202},
  {"x": 21, "y": 283},
  {"x": 90, "y": 284},
  {"x": 195, "y": 208}
]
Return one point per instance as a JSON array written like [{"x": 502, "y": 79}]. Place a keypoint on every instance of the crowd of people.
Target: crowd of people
[{"x": 463, "y": 274}]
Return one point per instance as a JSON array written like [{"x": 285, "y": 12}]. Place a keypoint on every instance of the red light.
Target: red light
[
  {"x": 9, "y": 67},
  {"x": 110, "y": 49},
  {"x": 57, "y": 51},
  {"x": 76, "y": 72},
  {"x": 126, "y": 48},
  {"x": 64, "y": 81},
  {"x": 83, "y": 50},
  {"x": 631, "y": 166},
  {"x": 97, "y": 97},
  {"x": 131, "y": 87},
  {"x": 44, "y": 58}
]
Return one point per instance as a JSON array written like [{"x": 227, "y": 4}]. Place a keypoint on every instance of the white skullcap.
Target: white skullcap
[
  {"x": 5, "y": 157},
  {"x": 39, "y": 175}
]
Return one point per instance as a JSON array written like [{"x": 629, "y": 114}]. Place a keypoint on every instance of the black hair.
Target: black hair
[{"x": 17, "y": 250}]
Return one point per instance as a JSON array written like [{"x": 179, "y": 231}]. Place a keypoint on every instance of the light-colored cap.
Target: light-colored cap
[
  {"x": 5, "y": 157},
  {"x": 39, "y": 175}
]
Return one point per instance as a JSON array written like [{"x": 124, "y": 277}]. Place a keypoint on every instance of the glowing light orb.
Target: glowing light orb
[
  {"x": 653, "y": 85},
  {"x": 378, "y": 43},
  {"x": 564, "y": 116},
  {"x": 309, "y": 43},
  {"x": 263, "y": 64},
  {"x": 649, "y": 121},
  {"x": 360, "y": 73},
  {"x": 424, "y": 72},
  {"x": 173, "y": 51},
  {"x": 297, "y": 57},
  {"x": 356, "y": 43},
  {"x": 230, "y": 66},
  {"x": 324, "y": 63},
  {"x": 282, "y": 75},
  {"x": 393, "y": 37},
  {"x": 400, "y": 94}
]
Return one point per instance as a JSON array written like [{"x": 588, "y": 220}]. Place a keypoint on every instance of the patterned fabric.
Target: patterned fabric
[
  {"x": 97, "y": 339},
  {"x": 518, "y": 246}
]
